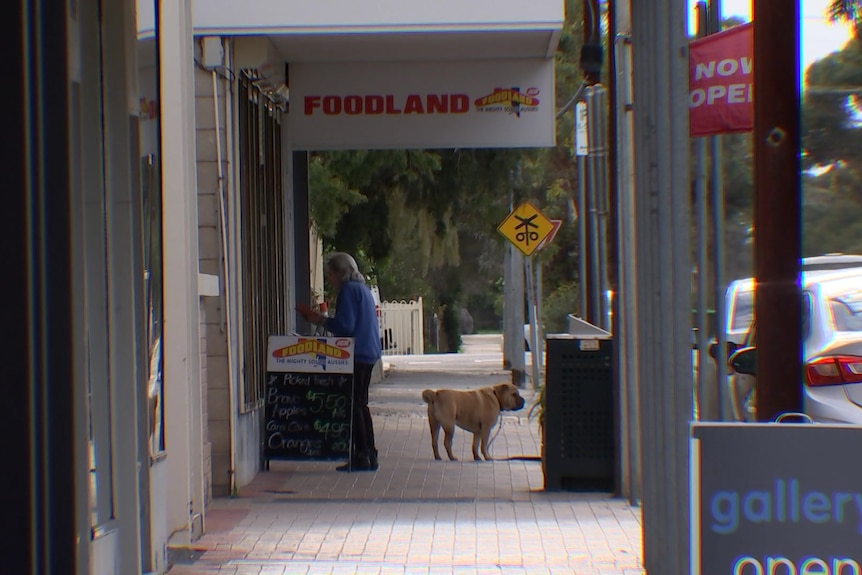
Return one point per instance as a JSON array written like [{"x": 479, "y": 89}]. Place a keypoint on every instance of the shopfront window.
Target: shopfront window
[{"x": 151, "y": 202}]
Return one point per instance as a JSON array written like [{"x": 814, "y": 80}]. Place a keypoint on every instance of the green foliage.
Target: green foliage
[
  {"x": 563, "y": 300},
  {"x": 831, "y": 215},
  {"x": 832, "y": 138},
  {"x": 450, "y": 325},
  {"x": 424, "y": 221},
  {"x": 846, "y": 11},
  {"x": 332, "y": 195}
]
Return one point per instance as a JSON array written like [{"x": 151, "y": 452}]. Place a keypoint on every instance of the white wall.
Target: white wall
[
  {"x": 330, "y": 15},
  {"x": 215, "y": 16},
  {"x": 159, "y": 533},
  {"x": 248, "y": 453}
]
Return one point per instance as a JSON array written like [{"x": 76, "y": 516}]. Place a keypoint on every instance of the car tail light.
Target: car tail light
[{"x": 834, "y": 370}]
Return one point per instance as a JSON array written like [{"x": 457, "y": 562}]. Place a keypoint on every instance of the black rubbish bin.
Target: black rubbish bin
[{"x": 578, "y": 447}]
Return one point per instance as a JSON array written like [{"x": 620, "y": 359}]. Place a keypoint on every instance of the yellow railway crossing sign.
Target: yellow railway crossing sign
[{"x": 526, "y": 227}]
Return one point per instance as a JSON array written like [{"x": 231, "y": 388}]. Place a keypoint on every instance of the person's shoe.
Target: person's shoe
[
  {"x": 357, "y": 464},
  {"x": 372, "y": 460}
]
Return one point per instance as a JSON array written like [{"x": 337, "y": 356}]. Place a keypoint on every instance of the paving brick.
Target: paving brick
[{"x": 418, "y": 516}]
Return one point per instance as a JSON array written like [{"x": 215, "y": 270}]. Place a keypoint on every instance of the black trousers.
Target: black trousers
[{"x": 363, "y": 430}]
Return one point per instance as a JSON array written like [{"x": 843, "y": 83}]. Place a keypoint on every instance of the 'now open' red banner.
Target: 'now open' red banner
[{"x": 721, "y": 82}]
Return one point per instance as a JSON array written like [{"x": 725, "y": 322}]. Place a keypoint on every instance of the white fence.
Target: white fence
[{"x": 401, "y": 327}]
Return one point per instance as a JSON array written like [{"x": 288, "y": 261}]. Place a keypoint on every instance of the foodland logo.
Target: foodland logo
[
  {"x": 510, "y": 100},
  {"x": 314, "y": 347}
]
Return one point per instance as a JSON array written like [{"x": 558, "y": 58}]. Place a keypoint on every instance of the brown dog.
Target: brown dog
[{"x": 475, "y": 411}]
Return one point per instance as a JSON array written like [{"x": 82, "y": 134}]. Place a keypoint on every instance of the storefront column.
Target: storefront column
[{"x": 185, "y": 492}]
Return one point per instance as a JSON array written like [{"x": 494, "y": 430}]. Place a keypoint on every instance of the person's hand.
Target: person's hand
[{"x": 310, "y": 315}]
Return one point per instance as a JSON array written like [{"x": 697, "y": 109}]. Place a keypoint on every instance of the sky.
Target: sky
[{"x": 819, "y": 36}]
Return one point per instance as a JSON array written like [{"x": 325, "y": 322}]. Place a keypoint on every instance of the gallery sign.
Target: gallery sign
[
  {"x": 420, "y": 105},
  {"x": 721, "y": 82},
  {"x": 776, "y": 499}
]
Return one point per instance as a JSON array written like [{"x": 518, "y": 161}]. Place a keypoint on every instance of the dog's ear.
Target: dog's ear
[{"x": 500, "y": 390}]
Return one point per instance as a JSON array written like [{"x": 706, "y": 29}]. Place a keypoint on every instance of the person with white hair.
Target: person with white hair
[{"x": 356, "y": 317}]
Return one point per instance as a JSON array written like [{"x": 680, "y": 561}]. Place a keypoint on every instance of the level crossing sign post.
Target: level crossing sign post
[{"x": 526, "y": 227}]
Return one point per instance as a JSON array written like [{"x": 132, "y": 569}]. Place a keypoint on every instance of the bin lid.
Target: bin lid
[{"x": 581, "y": 329}]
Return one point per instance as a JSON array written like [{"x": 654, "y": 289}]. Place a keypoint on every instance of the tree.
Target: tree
[
  {"x": 832, "y": 148},
  {"x": 849, "y": 11},
  {"x": 435, "y": 212}
]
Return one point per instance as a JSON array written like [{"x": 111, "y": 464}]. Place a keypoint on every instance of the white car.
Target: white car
[
  {"x": 832, "y": 351},
  {"x": 739, "y": 296}
]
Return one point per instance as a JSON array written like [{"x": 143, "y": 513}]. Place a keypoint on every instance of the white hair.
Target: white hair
[{"x": 344, "y": 267}]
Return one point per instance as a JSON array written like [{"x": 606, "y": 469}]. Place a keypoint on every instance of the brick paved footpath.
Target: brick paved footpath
[{"x": 416, "y": 515}]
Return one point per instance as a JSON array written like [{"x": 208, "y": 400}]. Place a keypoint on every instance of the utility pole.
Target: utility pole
[
  {"x": 777, "y": 208},
  {"x": 626, "y": 310},
  {"x": 591, "y": 66},
  {"x": 716, "y": 185},
  {"x": 707, "y": 401},
  {"x": 663, "y": 224},
  {"x": 513, "y": 311}
]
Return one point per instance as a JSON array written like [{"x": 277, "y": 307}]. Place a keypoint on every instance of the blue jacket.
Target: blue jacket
[{"x": 356, "y": 317}]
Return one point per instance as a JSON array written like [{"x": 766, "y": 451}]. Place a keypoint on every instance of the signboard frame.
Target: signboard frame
[
  {"x": 308, "y": 399},
  {"x": 507, "y": 103},
  {"x": 765, "y": 501}
]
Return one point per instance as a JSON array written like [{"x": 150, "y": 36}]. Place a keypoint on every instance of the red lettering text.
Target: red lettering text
[
  {"x": 374, "y": 104},
  {"x": 390, "y": 105},
  {"x": 353, "y": 105},
  {"x": 459, "y": 103},
  {"x": 311, "y": 102},
  {"x": 331, "y": 105},
  {"x": 438, "y": 104},
  {"x": 414, "y": 105}
]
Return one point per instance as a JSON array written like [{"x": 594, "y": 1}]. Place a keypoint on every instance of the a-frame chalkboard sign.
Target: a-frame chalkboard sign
[{"x": 308, "y": 398}]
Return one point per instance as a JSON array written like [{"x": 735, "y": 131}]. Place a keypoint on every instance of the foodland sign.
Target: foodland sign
[
  {"x": 721, "y": 82},
  {"x": 379, "y": 105},
  {"x": 776, "y": 499}
]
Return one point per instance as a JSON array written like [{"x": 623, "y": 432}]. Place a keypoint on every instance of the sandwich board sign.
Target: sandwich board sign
[
  {"x": 308, "y": 398},
  {"x": 776, "y": 498}
]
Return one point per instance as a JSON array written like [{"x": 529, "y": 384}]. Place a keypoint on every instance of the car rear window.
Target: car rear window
[{"x": 847, "y": 311}]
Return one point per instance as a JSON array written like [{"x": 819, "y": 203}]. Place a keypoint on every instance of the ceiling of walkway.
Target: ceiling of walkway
[{"x": 417, "y": 46}]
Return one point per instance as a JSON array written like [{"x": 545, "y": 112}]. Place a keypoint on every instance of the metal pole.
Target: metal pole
[
  {"x": 716, "y": 184},
  {"x": 540, "y": 331},
  {"x": 592, "y": 200},
  {"x": 508, "y": 331},
  {"x": 627, "y": 318},
  {"x": 705, "y": 407},
  {"x": 777, "y": 208},
  {"x": 659, "y": 32},
  {"x": 531, "y": 312},
  {"x": 598, "y": 151},
  {"x": 513, "y": 317},
  {"x": 717, "y": 190},
  {"x": 581, "y": 149}
]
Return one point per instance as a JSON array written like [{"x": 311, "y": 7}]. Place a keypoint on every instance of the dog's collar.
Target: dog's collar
[{"x": 500, "y": 403}]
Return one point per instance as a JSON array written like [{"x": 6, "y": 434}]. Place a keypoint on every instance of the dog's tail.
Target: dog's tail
[{"x": 428, "y": 396}]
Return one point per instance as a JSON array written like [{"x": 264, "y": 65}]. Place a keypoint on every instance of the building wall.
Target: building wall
[{"x": 212, "y": 261}]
